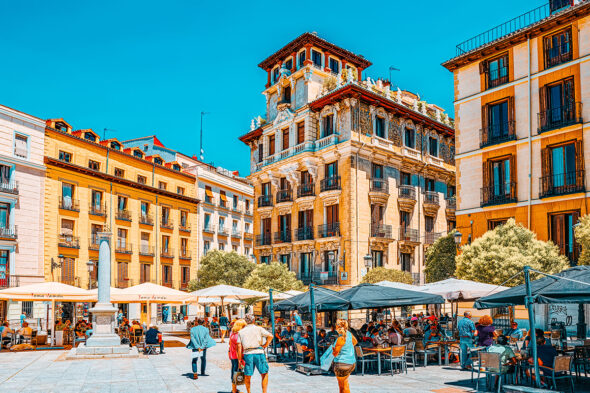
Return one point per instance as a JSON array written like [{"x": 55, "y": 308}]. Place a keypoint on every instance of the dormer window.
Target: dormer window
[
  {"x": 316, "y": 58},
  {"x": 158, "y": 160},
  {"x": 328, "y": 125},
  {"x": 115, "y": 145},
  {"x": 176, "y": 167},
  {"x": 301, "y": 58},
  {"x": 137, "y": 153},
  {"x": 61, "y": 127},
  {"x": 275, "y": 75},
  {"x": 334, "y": 65},
  {"x": 89, "y": 136},
  {"x": 289, "y": 64}
]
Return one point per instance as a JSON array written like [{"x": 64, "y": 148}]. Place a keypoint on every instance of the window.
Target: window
[
  {"x": 334, "y": 65},
  {"x": 234, "y": 248},
  {"x": 285, "y": 139},
  {"x": 247, "y": 205},
  {"x": 433, "y": 146},
  {"x": 235, "y": 201},
  {"x": 328, "y": 125},
  {"x": 563, "y": 169},
  {"x": 95, "y": 166},
  {"x": 208, "y": 195},
  {"x": 4, "y": 268},
  {"x": 562, "y": 233},
  {"x": 180, "y": 190},
  {"x": 558, "y": 48},
  {"x": 222, "y": 246},
  {"x": 183, "y": 219},
  {"x": 5, "y": 174},
  {"x": 498, "y": 187},
  {"x": 305, "y": 264},
  {"x": 451, "y": 191},
  {"x": 497, "y": 122},
  {"x": 222, "y": 199},
  {"x": 221, "y": 224},
  {"x": 68, "y": 268},
  {"x": 265, "y": 187},
  {"x": 96, "y": 202},
  {"x": 137, "y": 153},
  {"x": 122, "y": 203},
  {"x": 166, "y": 244},
  {"x": 289, "y": 64},
  {"x": 89, "y": 136},
  {"x": 286, "y": 260},
  {"x": 429, "y": 184},
  {"x": 234, "y": 226},
  {"x": 260, "y": 152},
  {"x": 176, "y": 167},
  {"x": 316, "y": 58},
  {"x": 429, "y": 224},
  {"x": 404, "y": 218},
  {"x": 121, "y": 239},
  {"x": 377, "y": 258},
  {"x": 410, "y": 138},
  {"x": 144, "y": 273},
  {"x": 95, "y": 229},
  {"x": 275, "y": 75},
  {"x": 496, "y": 71},
  {"x": 331, "y": 170},
  {"x": 287, "y": 94},
  {"x": 379, "y": 126},
  {"x": 144, "y": 243},
  {"x": 264, "y": 259},
  {"x": 158, "y": 160},
  {"x": 185, "y": 274},
  {"x": 406, "y": 262},
  {"x": 207, "y": 222},
  {"x": 247, "y": 227},
  {"x": 558, "y": 105},
  {"x": 406, "y": 179},
  {"x": 451, "y": 224},
  {"x": 21, "y": 146},
  {"x": 162, "y": 185},
  {"x": 377, "y": 214},
  {"x": 166, "y": 274},
  {"x": 285, "y": 228},
  {"x": 145, "y": 209},
  {"x": 65, "y": 156},
  {"x": 165, "y": 215},
  {"x": 300, "y": 132},
  {"x": 492, "y": 224},
  {"x": 115, "y": 145},
  {"x": 247, "y": 251},
  {"x": 141, "y": 179},
  {"x": 27, "y": 308},
  {"x": 271, "y": 145},
  {"x": 206, "y": 247},
  {"x": 67, "y": 194},
  {"x": 119, "y": 172},
  {"x": 301, "y": 58},
  {"x": 184, "y": 246},
  {"x": 5, "y": 215}
]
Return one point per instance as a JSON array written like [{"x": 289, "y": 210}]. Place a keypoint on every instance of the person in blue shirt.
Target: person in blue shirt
[
  {"x": 514, "y": 331},
  {"x": 467, "y": 332},
  {"x": 307, "y": 346},
  {"x": 297, "y": 334},
  {"x": 200, "y": 340},
  {"x": 433, "y": 335},
  {"x": 297, "y": 319},
  {"x": 286, "y": 338}
]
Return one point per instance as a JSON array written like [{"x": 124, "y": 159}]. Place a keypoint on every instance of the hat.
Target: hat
[{"x": 414, "y": 319}]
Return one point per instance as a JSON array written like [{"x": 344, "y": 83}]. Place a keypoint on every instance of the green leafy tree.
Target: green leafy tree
[
  {"x": 440, "y": 258},
  {"x": 275, "y": 275},
  {"x": 379, "y": 274},
  {"x": 220, "y": 267},
  {"x": 503, "y": 252},
  {"x": 582, "y": 232}
]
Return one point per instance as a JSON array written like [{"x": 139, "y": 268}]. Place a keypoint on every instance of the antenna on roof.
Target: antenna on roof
[
  {"x": 202, "y": 152},
  {"x": 392, "y": 68},
  {"x": 104, "y": 132}
]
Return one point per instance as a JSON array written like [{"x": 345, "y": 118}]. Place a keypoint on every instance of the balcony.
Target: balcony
[
  {"x": 326, "y": 141},
  {"x": 283, "y": 237},
  {"x": 123, "y": 215},
  {"x": 561, "y": 184},
  {"x": 209, "y": 228},
  {"x": 559, "y": 117},
  {"x": 9, "y": 281},
  {"x": 406, "y": 197},
  {"x": 167, "y": 253},
  {"x": 236, "y": 209},
  {"x": 248, "y": 235},
  {"x": 9, "y": 232},
  {"x": 166, "y": 223},
  {"x": 558, "y": 55},
  {"x": 70, "y": 204},
  {"x": 184, "y": 227},
  {"x": 146, "y": 251},
  {"x": 318, "y": 278},
  {"x": 451, "y": 206},
  {"x": 303, "y": 233},
  {"x": 222, "y": 231},
  {"x": 381, "y": 231},
  {"x": 10, "y": 187},
  {"x": 409, "y": 235},
  {"x": 379, "y": 185},
  {"x": 498, "y": 194},
  {"x": 265, "y": 201},
  {"x": 431, "y": 202},
  {"x": 93, "y": 243},
  {"x": 496, "y": 134},
  {"x": 263, "y": 240},
  {"x": 123, "y": 247},
  {"x": 97, "y": 209},
  {"x": 236, "y": 233},
  {"x": 330, "y": 184},
  {"x": 284, "y": 196},
  {"x": 184, "y": 254},
  {"x": 306, "y": 190},
  {"x": 431, "y": 237},
  {"x": 68, "y": 241},
  {"x": 146, "y": 219},
  {"x": 497, "y": 77},
  {"x": 329, "y": 230}
]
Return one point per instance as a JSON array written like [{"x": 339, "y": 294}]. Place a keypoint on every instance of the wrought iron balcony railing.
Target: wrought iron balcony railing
[
  {"x": 123, "y": 247},
  {"x": 382, "y": 231},
  {"x": 283, "y": 236},
  {"x": 67, "y": 203},
  {"x": 409, "y": 235},
  {"x": 222, "y": 230},
  {"x": 146, "y": 219},
  {"x": 263, "y": 240},
  {"x": 379, "y": 185},
  {"x": 10, "y": 186},
  {"x": 123, "y": 215},
  {"x": 559, "y": 54},
  {"x": 431, "y": 198},
  {"x": 498, "y": 194},
  {"x": 166, "y": 223},
  {"x": 497, "y": 133},
  {"x": 407, "y": 192},
  {"x": 145, "y": 250},
  {"x": 209, "y": 228},
  {"x": 284, "y": 196},
  {"x": 559, "y": 117},
  {"x": 330, "y": 183},
  {"x": 167, "y": 253},
  {"x": 68, "y": 241},
  {"x": 451, "y": 202},
  {"x": 305, "y": 190},
  {"x": 9, "y": 232},
  {"x": 93, "y": 243},
  {"x": 329, "y": 230},
  {"x": 431, "y": 237},
  {"x": 235, "y": 232},
  {"x": 184, "y": 254},
  {"x": 265, "y": 200},
  {"x": 97, "y": 209},
  {"x": 562, "y": 183},
  {"x": 303, "y": 233}
]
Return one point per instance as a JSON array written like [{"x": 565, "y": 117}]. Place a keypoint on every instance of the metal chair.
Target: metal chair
[
  {"x": 150, "y": 349},
  {"x": 364, "y": 358},
  {"x": 411, "y": 353},
  {"x": 299, "y": 352},
  {"x": 581, "y": 360},
  {"x": 490, "y": 364},
  {"x": 397, "y": 356},
  {"x": 428, "y": 350},
  {"x": 561, "y": 370}
]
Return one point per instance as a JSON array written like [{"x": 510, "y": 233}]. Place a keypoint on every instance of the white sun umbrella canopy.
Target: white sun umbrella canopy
[
  {"x": 399, "y": 285},
  {"x": 278, "y": 295},
  {"x": 216, "y": 301},
  {"x": 228, "y": 292},
  {"x": 454, "y": 289},
  {"x": 150, "y": 292},
  {"x": 115, "y": 293}
]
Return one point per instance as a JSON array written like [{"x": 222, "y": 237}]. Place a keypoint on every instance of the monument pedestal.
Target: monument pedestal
[{"x": 103, "y": 326}]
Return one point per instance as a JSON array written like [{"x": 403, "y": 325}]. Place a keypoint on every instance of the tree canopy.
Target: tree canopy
[
  {"x": 582, "y": 232},
  {"x": 220, "y": 267},
  {"x": 503, "y": 252},
  {"x": 379, "y": 274},
  {"x": 274, "y": 275},
  {"x": 440, "y": 259}
]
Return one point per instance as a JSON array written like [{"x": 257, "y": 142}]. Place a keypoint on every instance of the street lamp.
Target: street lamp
[
  {"x": 368, "y": 261},
  {"x": 458, "y": 237},
  {"x": 90, "y": 266}
]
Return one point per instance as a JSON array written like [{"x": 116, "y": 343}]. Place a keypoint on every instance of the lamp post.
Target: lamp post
[
  {"x": 55, "y": 265},
  {"x": 458, "y": 238},
  {"x": 368, "y": 261},
  {"x": 90, "y": 266}
]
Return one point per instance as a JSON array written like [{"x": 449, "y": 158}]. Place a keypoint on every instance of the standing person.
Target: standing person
[
  {"x": 485, "y": 331},
  {"x": 251, "y": 351},
  {"x": 223, "y": 326},
  {"x": 233, "y": 351},
  {"x": 297, "y": 319},
  {"x": 344, "y": 357},
  {"x": 200, "y": 341},
  {"x": 119, "y": 317},
  {"x": 467, "y": 332},
  {"x": 23, "y": 316}
]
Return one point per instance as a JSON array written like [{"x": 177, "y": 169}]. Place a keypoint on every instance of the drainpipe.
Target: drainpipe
[
  {"x": 356, "y": 200},
  {"x": 111, "y": 224},
  {"x": 420, "y": 213},
  {"x": 156, "y": 239},
  {"x": 530, "y": 196}
]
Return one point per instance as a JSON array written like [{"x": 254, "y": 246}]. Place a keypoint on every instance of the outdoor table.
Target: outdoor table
[
  {"x": 446, "y": 344},
  {"x": 378, "y": 350}
]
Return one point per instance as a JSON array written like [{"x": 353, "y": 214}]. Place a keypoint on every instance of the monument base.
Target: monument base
[
  {"x": 103, "y": 327},
  {"x": 83, "y": 351}
]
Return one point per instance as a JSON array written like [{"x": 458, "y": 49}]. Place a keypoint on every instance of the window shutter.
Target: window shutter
[
  {"x": 486, "y": 174},
  {"x": 569, "y": 96},
  {"x": 579, "y": 163},
  {"x": 543, "y": 106},
  {"x": 483, "y": 67},
  {"x": 547, "y": 179},
  {"x": 484, "y": 118},
  {"x": 512, "y": 180},
  {"x": 511, "y": 109}
]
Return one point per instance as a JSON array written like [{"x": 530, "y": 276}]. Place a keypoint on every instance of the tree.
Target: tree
[
  {"x": 220, "y": 267},
  {"x": 379, "y": 274},
  {"x": 502, "y": 253},
  {"x": 583, "y": 238},
  {"x": 275, "y": 275},
  {"x": 440, "y": 258}
]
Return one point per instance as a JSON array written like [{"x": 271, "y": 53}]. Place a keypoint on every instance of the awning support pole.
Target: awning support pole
[
  {"x": 528, "y": 301},
  {"x": 272, "y": 318},
  {"x": 313, "y": 322}
]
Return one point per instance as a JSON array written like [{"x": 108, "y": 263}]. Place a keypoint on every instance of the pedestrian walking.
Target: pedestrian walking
[
  {"x": 344, "y": 356},
  {"x": 467, "y": 331},
  {"x": 251, "y": 351},
  {"x": 236, "y": 364},
  {"x": 200, "y": 341}
]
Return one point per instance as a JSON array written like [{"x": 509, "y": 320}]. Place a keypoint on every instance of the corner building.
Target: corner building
[
  {"x": 345, "y": 170},
  {"x": 521, "y": 109}
]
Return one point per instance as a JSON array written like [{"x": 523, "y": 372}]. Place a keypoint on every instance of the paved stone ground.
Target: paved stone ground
[{"x": 43, "y": 371}]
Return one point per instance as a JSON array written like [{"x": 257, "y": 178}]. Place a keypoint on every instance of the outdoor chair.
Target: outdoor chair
[
  {"x": 150, "y": 349},
  {"x": 561, "y": 370},
  {"x": 299, "y": 352},
  {"x": 429, "y": 350},
  {"x": 581, "y": 360},
  {"x": 397, "y": 356},
  {"x": 137, "y": 336},
  {"x": 490, "y": 365},
  {"x": 364, "y": 358},
  {"x": 474, "y": 356},
  {"x": 411, "y": 354}
]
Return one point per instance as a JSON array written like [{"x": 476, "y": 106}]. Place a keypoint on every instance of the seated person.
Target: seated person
[
  {"x": 332, "y": 332},
  {"x": 307, "y": 347},
  {"x": 409, "y": 330},
  {"x": 24, "y": 331},
  {"x": 6, "y": 333},
  {"x": 432, "y": 336},
  {"x": 514, "y": 331},
  {"x": 376, "y": 338},
  {"x": 276, "y": 341},
  {"x": 546, "y": 355},
  {"x": 135, "y": 326},
  {"x": 507, "y": 356},
  {"x": 298, "y": 333},
  {"x": 527, "y": 339},
  {"x": 323, "y": 340},
  {"x": 286, "y": 338},
  {"x": 394, "y": 337},
  {"x": 445, "y": 318},
  {"x": 80, "y": 329},
  {"x": 214, "y": 323},
  {"x": 151, "y": 337}
]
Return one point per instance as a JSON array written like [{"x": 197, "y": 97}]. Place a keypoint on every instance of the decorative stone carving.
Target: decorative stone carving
[
  {"x": 284, "y": 115},
  {"x": 398, "y": 97},
  {"x": 407, "y": 248},
  {"x": 312, "y": 167}
]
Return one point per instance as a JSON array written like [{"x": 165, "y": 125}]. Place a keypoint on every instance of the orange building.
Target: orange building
[{"x": 521, "y": 104}]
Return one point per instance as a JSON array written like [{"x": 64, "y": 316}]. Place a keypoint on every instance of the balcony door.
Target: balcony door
[
  {"x": 4, "y": 215},
  {"x": 305, "y": 264},
  {"x": 497, "y": 120},
  {"x": 563, "y": 169},
  {"x": 405, "y": 262},
  {"x": 377, "y": 213},
  {"x": 266, "y": 229},
  {"x": 331, "y": 170},
  {"x": 96, "y": 201},
  {"x": 498, "y": 175},
  {"x": 562, "y": 233},
  {"x": 557, "y": 103},
  {"x": 377, "y": 258},
  {"x": 4, "y": 268},
  {"x": 67, "y": 193},
  {"x": 285, "y": 227}
]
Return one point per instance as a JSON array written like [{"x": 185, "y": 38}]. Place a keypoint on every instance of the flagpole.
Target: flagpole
[{"x": 201, "y": 152}]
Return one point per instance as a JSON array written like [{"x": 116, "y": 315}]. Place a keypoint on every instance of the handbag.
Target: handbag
[
  {"x": 238, "y": 377},
  {"x": 327, "y": 359}
]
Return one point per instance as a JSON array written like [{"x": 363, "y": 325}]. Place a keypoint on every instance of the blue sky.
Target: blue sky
[{"x": 146, "y": 67}]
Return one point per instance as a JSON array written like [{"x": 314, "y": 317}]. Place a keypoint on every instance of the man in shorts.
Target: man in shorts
[{"x": 251, "y": 351}]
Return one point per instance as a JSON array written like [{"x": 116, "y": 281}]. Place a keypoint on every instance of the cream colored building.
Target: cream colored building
[{"x": 345, "y": 170}]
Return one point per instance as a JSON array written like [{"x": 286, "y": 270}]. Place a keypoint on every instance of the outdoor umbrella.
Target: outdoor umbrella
[
  {"x": 278, "y": 295},
  {"x": 48, "y": 291},
  {"x": 454, "y": 289},
  {"x": 545, "y": 290},
  {"x": 216, "y": 300},
  {"x": 223, "y": 292},
  {"x": 373, "y": 296},
  {"x": 399, "y": 285},
  {"x": 324, "y": 299}
]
